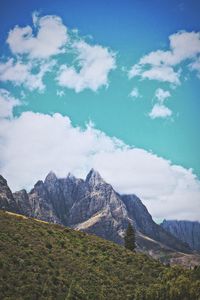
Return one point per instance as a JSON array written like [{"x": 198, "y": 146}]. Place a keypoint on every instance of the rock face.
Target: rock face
[
  {"x": 186, "y": 231},
  {"x": 145, "y": 224},
  {"x": 7, "y": 201},
  {"x": 23, "y": 202},
  {"x": 91, "y": 205}
]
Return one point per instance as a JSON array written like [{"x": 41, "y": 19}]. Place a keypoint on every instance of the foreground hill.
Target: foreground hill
[
  {"x": 39, "y": 260},
  {"x": 93, "y": 206}
]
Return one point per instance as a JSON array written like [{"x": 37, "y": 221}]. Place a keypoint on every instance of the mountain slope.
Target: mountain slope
[
  {"x": 186, "y": 231},
  {"x": 145, "y": 224},
  {"x": 47, "y": 261},
  {"x": 92, "y": 205}
]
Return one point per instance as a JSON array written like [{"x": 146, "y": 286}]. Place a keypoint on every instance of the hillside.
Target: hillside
[{"x": 39, "y": 260}]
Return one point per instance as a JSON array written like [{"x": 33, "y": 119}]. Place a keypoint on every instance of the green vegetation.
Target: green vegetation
[
  {"x": 46, "y": 261},
  {"x": 129, "y": 238}
]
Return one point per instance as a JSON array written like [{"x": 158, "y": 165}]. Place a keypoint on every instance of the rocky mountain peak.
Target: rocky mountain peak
[
  {"x": 3, "y": 181},
  {"x": 71, "y": 177},
  {"x": 38, "y": 187},
  {"x": 7, "y": 201},
  {"x": 38, "y": 184},
  {"x": 94, "y": 178},
  {"x": 51, "y": 176}
]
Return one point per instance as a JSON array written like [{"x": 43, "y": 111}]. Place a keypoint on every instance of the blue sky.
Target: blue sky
[{"x": 124, "y": 76}]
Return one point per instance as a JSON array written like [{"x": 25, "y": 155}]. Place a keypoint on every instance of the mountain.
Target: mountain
[
  {"x": 40, "y": 260},
  {"x": 93, "y": 206},
  {"x": 7, "y": 201},
  {"x": 186, "y": 231},
  {"x": 145, "y": 224}
]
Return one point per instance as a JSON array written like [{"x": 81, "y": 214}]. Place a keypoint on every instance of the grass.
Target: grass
[{"x": 45, "y": 261}]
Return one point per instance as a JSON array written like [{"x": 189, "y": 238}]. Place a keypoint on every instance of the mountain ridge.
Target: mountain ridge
[
  {"x": 186, "y": 231},
  {"x": 92, "y": 205}
]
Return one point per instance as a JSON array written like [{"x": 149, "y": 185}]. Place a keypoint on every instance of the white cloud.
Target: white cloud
[
  {"x": 163, "y": 73},
  {"x": 195, "y": 66},
  {"x": 32, "y": 143},
  {"x": 156, "y": 58},
  {"x": 160, "y": 73},
  {"x": 33, "y": 47},
  {"x": 94, "y": 64},
  {"x": 160, "y": 65},
  {"x": 49, "y": 40},
  {"x": 160, "y": 111},
  {"x": 161, "y": 95},
  {"x": 7, "y": 103},
  {"x": 135, "y": 93},
  {"x": 136, "y": 70},
  {"x": 184, "y": 45},
  {"x": 21, "y": 74}
]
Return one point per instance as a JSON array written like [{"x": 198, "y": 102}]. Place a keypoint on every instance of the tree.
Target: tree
[{"x": 129, "y": 238}]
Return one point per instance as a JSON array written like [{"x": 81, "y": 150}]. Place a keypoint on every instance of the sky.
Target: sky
[{"x": 110, "y": 85}]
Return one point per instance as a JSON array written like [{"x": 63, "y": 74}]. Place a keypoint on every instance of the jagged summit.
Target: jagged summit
[
  {"x": 94, "y": 178},
  {"x": 3, "y": 181},
  {"x": 38, "y": 184},
  {"x": 7, "y": 201},
  {"x": 71, "y": 176},
  {"x": 51, "y": 176}
]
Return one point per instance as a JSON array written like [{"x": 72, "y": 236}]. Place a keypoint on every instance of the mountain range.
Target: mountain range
[
  {"x": 187, "y": 231},
  {"x": 93, "y": 206}
]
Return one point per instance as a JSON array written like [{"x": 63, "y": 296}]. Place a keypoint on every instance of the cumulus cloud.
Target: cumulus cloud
[
  {"x": 162, "y": 65},
  {"x": 155, "y": 72},
  {"x": 94, "y": 64},
  {"x": 87, "y": 65},
  {"x": 160, "y": 110},
  {"x": 34, "y": 143},
  {"x": 162, "y": 73},
  {"x": 50, "y": 38},
  {"x": 20, "y": 73},
  {"x": 184, "y": 45},
  {"x": 161, "y": 95},
  {"x": 7, "y": 103}
]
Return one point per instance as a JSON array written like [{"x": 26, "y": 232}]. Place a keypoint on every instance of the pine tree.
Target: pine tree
[{"x": 129, "y": 238}]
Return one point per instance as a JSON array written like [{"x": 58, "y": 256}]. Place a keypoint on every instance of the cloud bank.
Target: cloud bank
[{"x": 34, "y": 143}]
